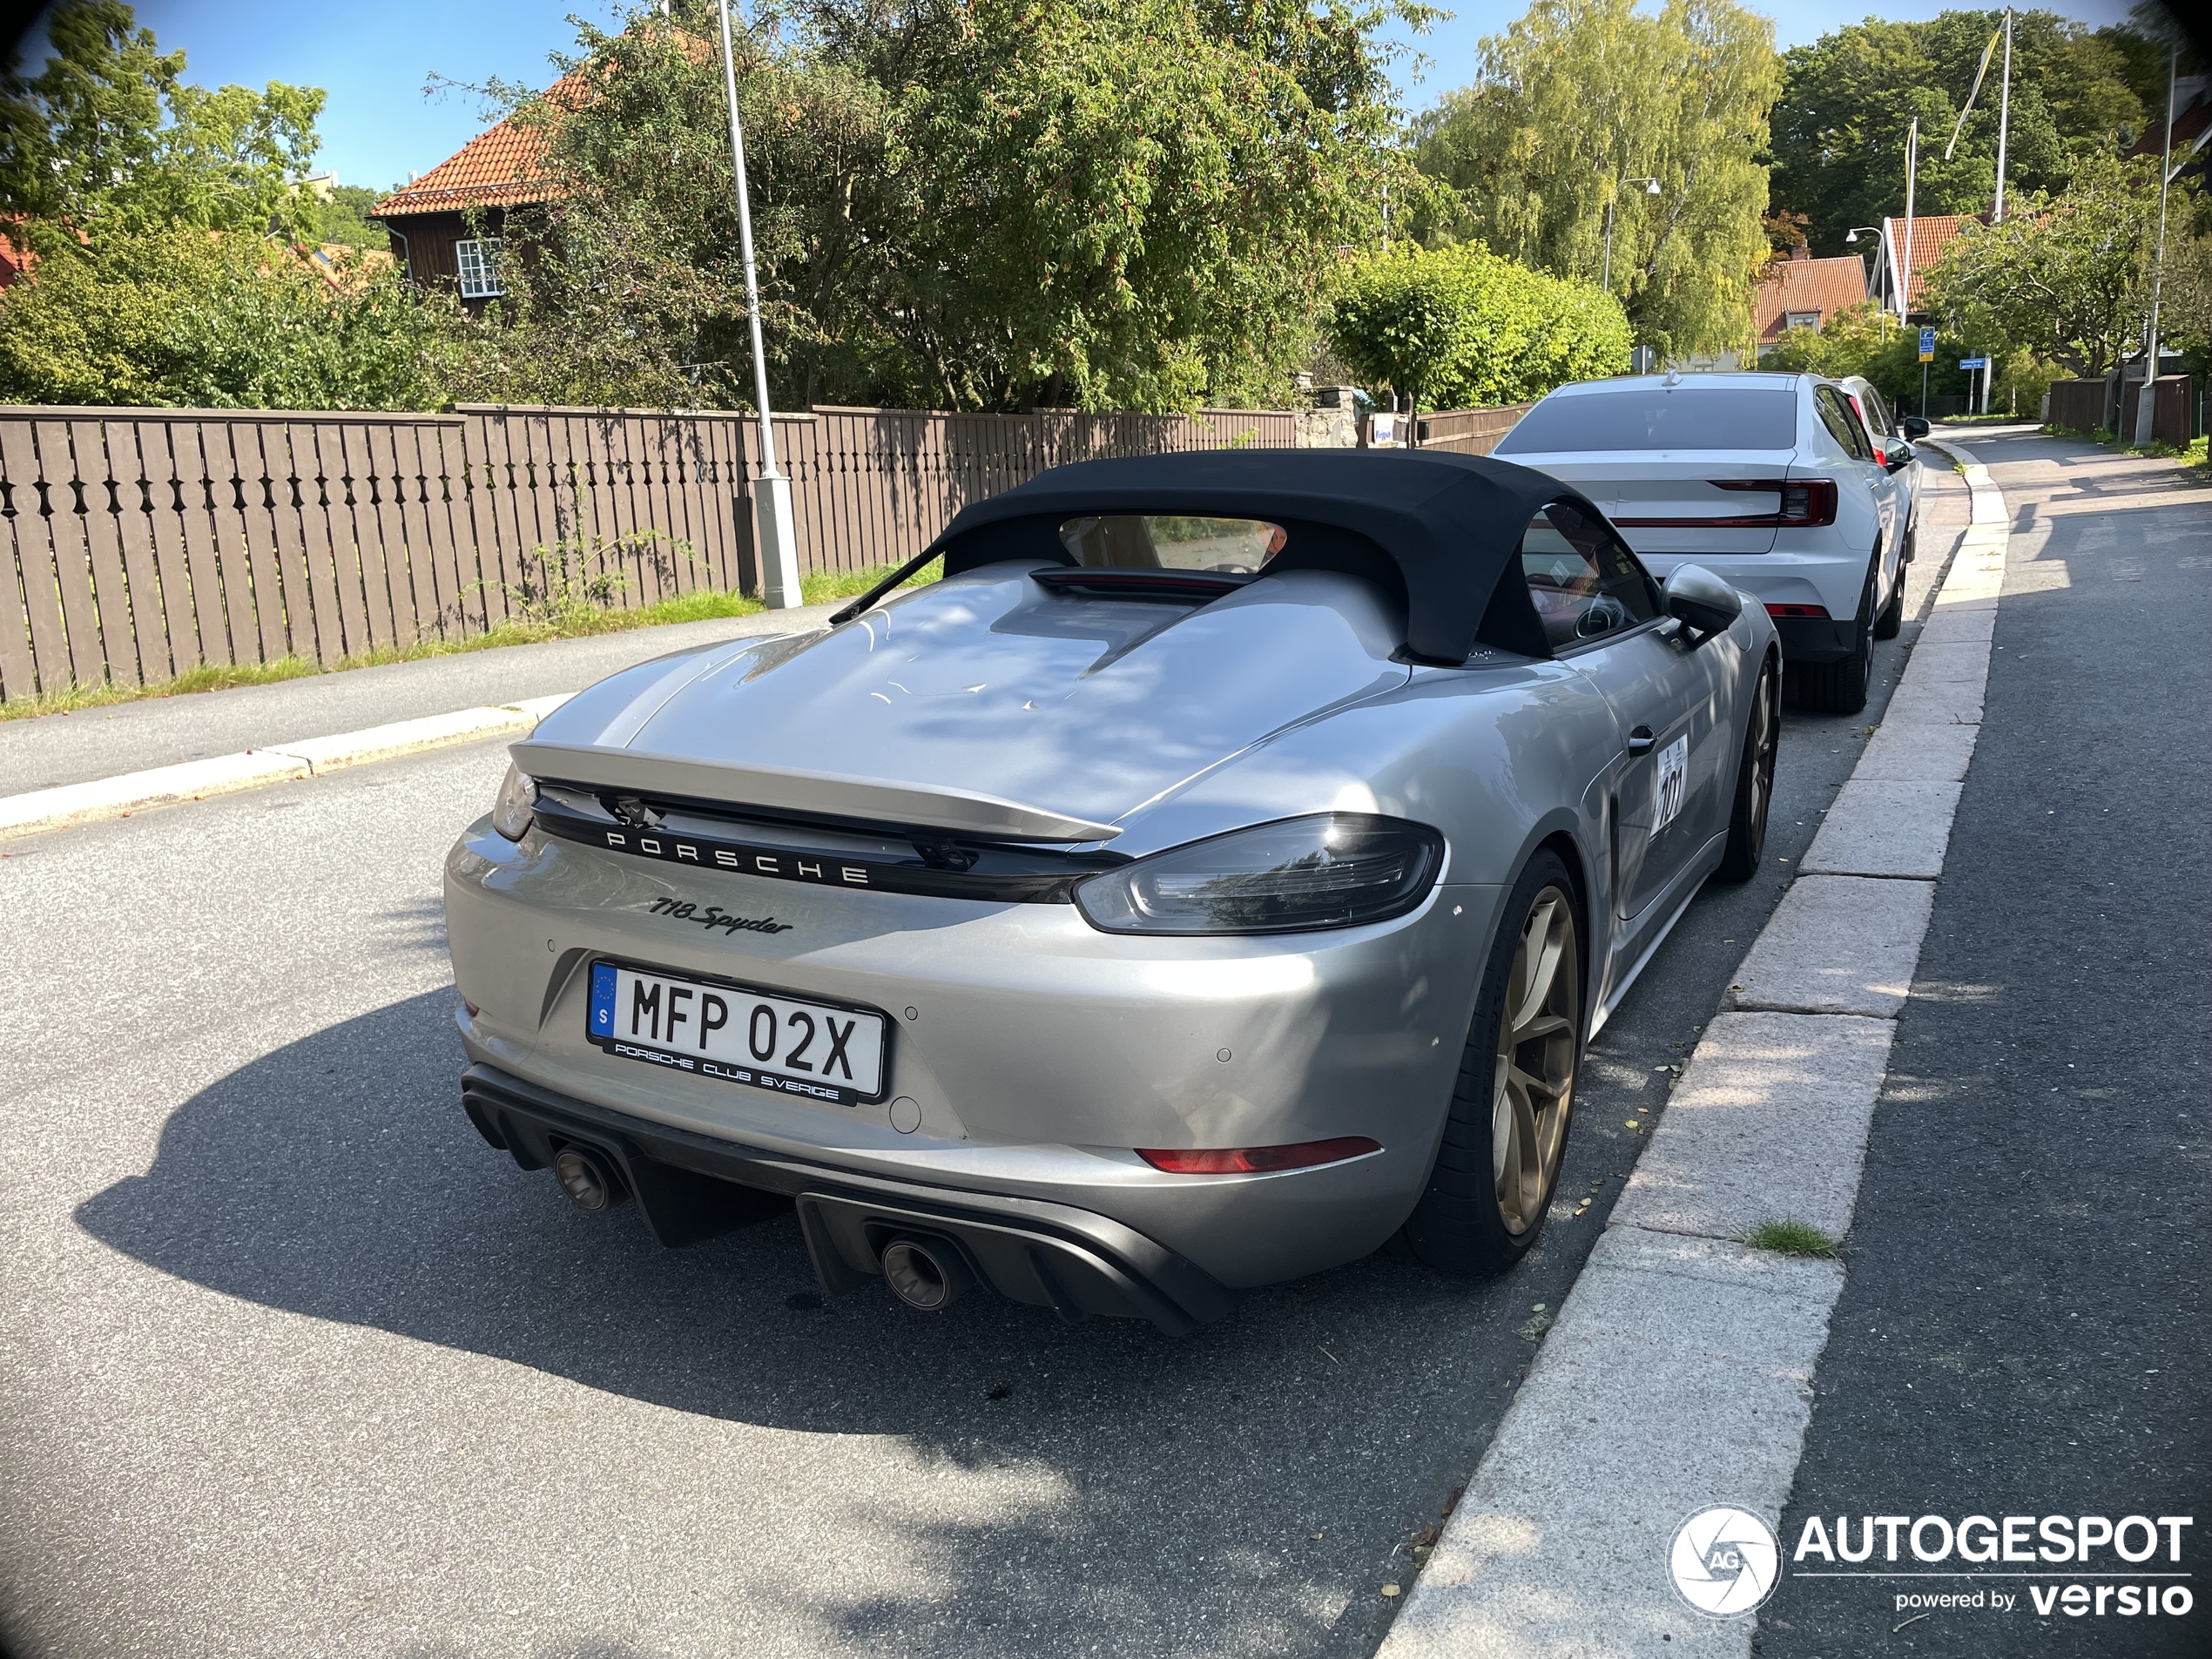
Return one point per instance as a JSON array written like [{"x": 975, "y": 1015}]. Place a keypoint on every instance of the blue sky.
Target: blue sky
[{"x": 375, "y": 59}]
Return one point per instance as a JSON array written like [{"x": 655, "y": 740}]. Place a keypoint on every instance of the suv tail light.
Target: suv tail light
[
  {"x": 1810, "y": 613},
  {"x": 1807, "y": 502}
]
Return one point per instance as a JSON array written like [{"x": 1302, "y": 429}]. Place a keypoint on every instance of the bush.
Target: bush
[
  {"x": 219, "y": 320},
  {"x": 1459, "y": 327}
]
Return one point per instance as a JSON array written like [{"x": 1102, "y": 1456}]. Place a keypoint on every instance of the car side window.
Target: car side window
[
  {"x": 1836, "y": 414},
  {"x": 1583, "y": 582},
  {"x": 1877, "y": 410}
]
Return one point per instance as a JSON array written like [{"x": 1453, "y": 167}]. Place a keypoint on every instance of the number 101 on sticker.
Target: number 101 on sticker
[{"x": 735, "y": 1034}]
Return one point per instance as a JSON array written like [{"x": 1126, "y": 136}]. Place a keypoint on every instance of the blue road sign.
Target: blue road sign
[
  {"x": 1927, "y": 345},
  {"x": 1974, "y": 362}
]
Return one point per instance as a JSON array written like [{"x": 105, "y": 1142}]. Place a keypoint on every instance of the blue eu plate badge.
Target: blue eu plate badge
[{"x": 603, "y": 999}]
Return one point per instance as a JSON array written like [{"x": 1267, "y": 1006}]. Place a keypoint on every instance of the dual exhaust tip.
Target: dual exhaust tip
[
  {"x": 589, "y": 1179},
  {"x": 925, "y": 1273}
]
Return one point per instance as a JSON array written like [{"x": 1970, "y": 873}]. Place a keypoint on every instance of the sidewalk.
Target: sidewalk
[
  {"x": 1677, "y": 1374},
  {"x": 2025, "y": 1326},
  {"x": 60, "y": 749}
]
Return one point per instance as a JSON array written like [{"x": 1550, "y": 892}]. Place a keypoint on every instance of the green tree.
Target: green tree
[
  {"x": 109, "y": 132},
  {"x": 2066, "y": 277},
  {"x": 343, "y": 217},
  {"x": 221, "y": 320},
  {"x": 1859, "y": 340},
  {"x": 1459, "y": 327},
  {"x": 1847, "y": 99},
  {"x": 1578, "y": 96},
  {"x": 970, "y": 203}
]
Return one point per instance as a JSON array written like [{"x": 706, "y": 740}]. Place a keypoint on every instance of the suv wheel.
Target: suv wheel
[{"x": 1840, "y": 687}]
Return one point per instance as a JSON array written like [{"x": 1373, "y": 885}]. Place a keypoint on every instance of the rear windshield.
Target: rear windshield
[
  {"x": 1140, "y": 541},
  {"x": 1659, "y": 417}
]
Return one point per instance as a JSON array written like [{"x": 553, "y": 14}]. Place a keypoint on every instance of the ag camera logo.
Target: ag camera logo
[{"x": 1725, "y": 1561}]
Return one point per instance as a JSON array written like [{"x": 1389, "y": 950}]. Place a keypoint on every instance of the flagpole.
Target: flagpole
[
  {"x": 1912, "y": 170},
  {"x": 2004, "y": 118},
  {"x": 777, "y": 542}
]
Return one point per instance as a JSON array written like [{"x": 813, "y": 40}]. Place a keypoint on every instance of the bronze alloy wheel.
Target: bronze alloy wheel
[
  {"x": 1764, "y": 741},
  {"x": 1754, "y": 781},
  {"x": 1534, "y": 1082}
]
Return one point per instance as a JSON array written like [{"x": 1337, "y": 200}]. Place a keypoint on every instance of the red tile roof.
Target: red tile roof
[
  {"x": 2189, "y": 123},
  {"x": 1821, "y": 286},
  {"x": 15, "y": 260},
  {"x": 503, "y": 167},
  {"x": 1932, "y": 234}
]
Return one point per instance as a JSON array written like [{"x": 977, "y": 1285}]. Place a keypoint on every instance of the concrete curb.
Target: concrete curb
[
  {"x": 1679, "y": 1373},
  {"x": 41, "y": 810}
]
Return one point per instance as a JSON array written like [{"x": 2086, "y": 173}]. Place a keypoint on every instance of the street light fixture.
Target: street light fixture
[{"x": 1651, "y": 188}]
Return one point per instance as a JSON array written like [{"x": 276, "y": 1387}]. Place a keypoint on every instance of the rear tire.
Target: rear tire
[
  {"x": 1505, "y": 1136},
  {"x": 1754, "y": 780},
  {"x": 1840, "y": 687},
  {"x": 1892, "y": 618}
]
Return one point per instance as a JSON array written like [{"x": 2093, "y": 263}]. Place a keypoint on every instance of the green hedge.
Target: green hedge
[{"x": 1459, "y": 327}]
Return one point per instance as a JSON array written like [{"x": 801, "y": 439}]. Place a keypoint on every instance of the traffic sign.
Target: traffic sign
[
  {"x": 1927, "y": 345},
  {"x": 1974, "y": 362}
]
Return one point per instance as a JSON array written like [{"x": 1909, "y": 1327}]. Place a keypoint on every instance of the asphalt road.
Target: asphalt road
[
  {"x": 159, "y": 732},
  {"x": 2026, "y": 1328},
  {"x": 296, "y": 1365}
]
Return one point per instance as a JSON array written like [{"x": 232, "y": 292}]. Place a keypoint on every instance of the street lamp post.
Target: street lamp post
[
  {"x": 2147, "y": 401},
  {"x": 776, "y": 539},
  {"x": 1651, "y": 188}
]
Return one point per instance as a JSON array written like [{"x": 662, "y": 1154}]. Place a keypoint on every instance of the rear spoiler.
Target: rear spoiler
[{"x": 814, "y": 794}]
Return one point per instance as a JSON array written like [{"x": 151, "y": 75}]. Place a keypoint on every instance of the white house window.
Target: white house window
[
  {"x": 478, "y": 262},
  {"x": 1789, "y": 319}
]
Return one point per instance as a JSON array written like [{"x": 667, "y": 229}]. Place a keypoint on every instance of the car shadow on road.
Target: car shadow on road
[{"x": 338, "y": 1178}]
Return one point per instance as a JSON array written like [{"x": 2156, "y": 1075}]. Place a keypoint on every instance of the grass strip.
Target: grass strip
[{"x": 565, "y": 622}]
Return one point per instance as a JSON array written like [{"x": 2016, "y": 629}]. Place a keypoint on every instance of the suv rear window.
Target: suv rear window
[{"x": 1659, "y": 417}]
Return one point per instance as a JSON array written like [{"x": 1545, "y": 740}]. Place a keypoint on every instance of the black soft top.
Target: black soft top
[{"x": 1438, "y": 531}]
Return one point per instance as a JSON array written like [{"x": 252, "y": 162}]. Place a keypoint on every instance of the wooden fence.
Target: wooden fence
[
  {"x": 2079, "y": 405},
  {"x": 137, "y": 544},
  {"x": 1470, "y": 432}
]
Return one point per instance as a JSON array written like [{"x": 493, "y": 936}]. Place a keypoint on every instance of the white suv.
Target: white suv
[{"x": 1770, "y": 480}]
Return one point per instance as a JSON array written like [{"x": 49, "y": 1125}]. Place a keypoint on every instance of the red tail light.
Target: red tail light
[
  {"x": 1817, "y": 613},
  {"x": 1807, "y": 502},
  {"x": 1257, "y": 1160}
]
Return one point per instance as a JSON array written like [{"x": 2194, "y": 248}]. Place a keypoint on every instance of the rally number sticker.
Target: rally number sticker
[{"x": 1670, "y": 785}]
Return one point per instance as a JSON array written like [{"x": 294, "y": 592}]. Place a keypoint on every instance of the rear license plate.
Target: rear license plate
[{"x": 737, "y": 1034}]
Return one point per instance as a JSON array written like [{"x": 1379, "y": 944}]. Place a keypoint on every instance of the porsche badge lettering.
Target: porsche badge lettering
[{"x": 787, "y": 866}]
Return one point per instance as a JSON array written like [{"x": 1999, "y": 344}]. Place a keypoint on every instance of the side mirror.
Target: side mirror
[
  {"x": 1897, "y": 455},
  {"x": 1702, "y": 602},
  {"x": 1913, "y": 426}
]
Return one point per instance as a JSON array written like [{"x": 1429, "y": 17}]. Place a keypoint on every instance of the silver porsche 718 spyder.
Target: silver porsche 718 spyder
[{"x": 1215, "y": 875}]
